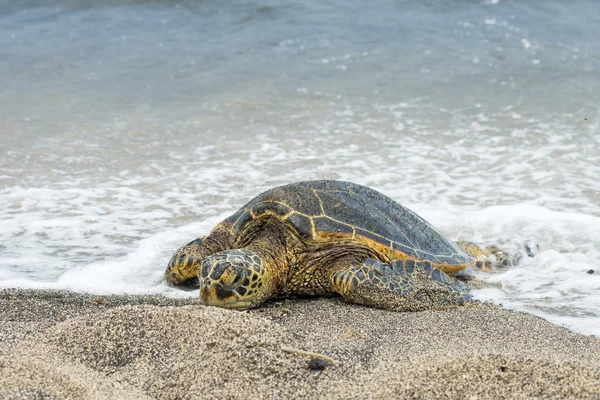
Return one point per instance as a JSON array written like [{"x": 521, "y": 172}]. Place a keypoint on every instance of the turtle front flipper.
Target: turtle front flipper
[
  {"x": 184, "y": 263},
  {"x": 183, "y": 266},
  {"x": 402, "y": 285}
]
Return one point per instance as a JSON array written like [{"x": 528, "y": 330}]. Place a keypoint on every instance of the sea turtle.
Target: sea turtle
[{"x": 326, "y": 237}]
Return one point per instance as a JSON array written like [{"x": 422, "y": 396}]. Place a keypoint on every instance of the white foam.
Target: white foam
[
  {"x": 554, "y": 284},
  {"x": 138, "y": 272}
]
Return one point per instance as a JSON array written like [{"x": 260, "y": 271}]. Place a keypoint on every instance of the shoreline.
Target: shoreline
[{"x": 73, "y": 345}]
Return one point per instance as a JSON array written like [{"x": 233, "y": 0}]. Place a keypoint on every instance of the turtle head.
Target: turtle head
[{"x": 234, "y": 279}]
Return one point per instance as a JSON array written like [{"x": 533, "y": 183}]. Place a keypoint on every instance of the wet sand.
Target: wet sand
[{"x": 56, "y": 344}]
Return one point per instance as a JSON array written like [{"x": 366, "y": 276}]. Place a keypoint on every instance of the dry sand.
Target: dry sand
[{"x": 66, "y": 345}]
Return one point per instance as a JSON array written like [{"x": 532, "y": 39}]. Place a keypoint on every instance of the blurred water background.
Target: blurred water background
[{"x": 128, "y": 128}]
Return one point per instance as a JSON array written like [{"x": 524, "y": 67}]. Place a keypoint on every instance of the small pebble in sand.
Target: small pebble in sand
[
  {"x": 590, "y": 271},
  {"x": 318, "y": 364}
]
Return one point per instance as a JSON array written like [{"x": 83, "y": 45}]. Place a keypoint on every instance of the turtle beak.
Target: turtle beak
[{"x": 217, "y": 295}]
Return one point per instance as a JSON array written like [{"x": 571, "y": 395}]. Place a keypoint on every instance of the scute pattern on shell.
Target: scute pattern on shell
[{"x": 328, "y": 208}]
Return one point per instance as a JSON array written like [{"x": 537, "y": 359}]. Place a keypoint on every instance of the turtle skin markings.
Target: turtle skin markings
[
  {"x": 402, "y": 285},
  {"x": 326, "y": 210},
  {"x": 238, "y": 271}
]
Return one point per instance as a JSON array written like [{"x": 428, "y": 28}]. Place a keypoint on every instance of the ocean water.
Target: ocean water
[{"x": 128, "y": 128}]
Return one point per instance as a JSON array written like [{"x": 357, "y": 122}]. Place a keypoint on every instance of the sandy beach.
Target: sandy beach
[{"x": 57, "y": 344}]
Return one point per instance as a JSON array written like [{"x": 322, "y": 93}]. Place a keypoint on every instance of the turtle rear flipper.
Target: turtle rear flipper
[
  {"x": 494, "y": 258},
  {"x": 490, "y": 259},
  {"x": 400, "y": 286}
]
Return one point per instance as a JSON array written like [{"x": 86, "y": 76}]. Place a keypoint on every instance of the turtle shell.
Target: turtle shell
[{"x": 328, "y": 210}]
